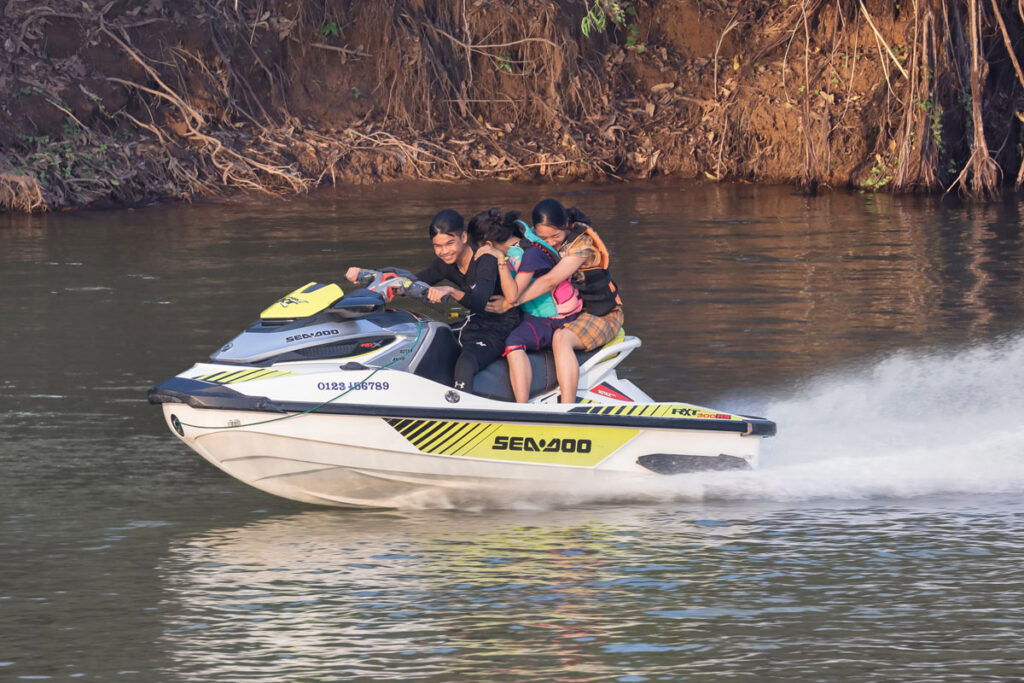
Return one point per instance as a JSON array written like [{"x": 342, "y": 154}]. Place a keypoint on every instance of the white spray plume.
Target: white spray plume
[{"x": 909, "y": 425}]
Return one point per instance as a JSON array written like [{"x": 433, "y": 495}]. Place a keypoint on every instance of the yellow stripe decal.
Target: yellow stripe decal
[
  {"x": 243, "y": 375},
  {"x": 465, "y": 434},
  {"x": 427, "y": 436},
  {"x": 216, "y": 375},
  {"x": 581, "y": 446},
  {"x": 262, "y": 375},
  {"x": 447, "y": 444},
  {"x": 481, "y": 435},
  {"x": 246, "y": 376},
  {"x": 413, "y": 434},
  {"x": 276, "y": 373},
  {"x": 441, "y": 436},
  {"x": 681, "y": 411},
  {"x": 465, "y": 437},
  {"x": 231, "y": 377},
  {"x": 408, "y": 425}
]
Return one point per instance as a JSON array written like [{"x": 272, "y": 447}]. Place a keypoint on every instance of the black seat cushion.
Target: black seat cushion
[{"x": 493, "y": 381}]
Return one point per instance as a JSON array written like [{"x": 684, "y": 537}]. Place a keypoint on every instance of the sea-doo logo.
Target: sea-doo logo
[
  {"x": 289, "y": 300},
  {"x": 528, "y": 443},
  {"x": 311, "y": 335}
]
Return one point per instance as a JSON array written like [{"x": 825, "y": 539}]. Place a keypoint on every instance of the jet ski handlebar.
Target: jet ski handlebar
[{"x": 391, "y": 281}]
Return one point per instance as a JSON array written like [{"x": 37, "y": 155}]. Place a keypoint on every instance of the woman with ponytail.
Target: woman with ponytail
[
  {"x": 522, "y": 260},
  {"x": 584, "y": 262}
]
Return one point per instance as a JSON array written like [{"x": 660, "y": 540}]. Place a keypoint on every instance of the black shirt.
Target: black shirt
[
  {"x": 439, "y": 270},
  {"x": 479, "y": 283}
]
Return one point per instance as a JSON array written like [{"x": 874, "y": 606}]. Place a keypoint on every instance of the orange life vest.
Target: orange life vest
[{"x": 597, "y": 289}]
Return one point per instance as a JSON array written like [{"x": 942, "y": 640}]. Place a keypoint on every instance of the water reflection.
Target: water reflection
[
  {"x": 383, "y": 596},
  {"x": 592, "y": 594}
]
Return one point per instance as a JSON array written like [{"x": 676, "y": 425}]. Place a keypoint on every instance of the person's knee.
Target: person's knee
[
  {"x": 471, "y": 361},
  {"x": 564, "y": 340},
  {"x": 515, "y": 356}
]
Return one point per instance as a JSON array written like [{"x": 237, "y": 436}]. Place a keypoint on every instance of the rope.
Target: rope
[{"x": 419, "y": 331}]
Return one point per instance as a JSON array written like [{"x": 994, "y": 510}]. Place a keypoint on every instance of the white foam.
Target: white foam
[{"x": 908, "y": 425}]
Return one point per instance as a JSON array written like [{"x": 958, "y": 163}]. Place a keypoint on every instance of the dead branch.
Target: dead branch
[
  {"x": 342, "y": 50},
  {"x": 1006, "y": 40},
  {"x": 881, "y": 39}
]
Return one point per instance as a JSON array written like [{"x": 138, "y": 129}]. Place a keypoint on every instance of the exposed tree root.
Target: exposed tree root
[
  {"x": 20, "y": 193},
  {"x": 121, "y": 103}
]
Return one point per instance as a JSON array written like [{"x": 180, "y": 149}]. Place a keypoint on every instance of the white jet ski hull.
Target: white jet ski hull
[{"x": 366, "y": 461}]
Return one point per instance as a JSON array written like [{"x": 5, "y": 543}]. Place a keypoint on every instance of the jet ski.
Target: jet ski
[{"x": 340, "y": 399}]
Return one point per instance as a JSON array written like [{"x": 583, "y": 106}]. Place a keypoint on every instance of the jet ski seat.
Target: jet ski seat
[{"x": 493, "y": 381}]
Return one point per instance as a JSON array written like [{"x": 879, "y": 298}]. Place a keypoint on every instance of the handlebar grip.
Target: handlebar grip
[{"x": 418, "y": 290}]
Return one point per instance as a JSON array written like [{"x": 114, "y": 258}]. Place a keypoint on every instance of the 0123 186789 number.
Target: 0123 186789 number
[{"x": 353, "y": 386}]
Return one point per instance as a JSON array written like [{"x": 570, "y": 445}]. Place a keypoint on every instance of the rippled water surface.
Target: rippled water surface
[{"x": 880, "y": 540}]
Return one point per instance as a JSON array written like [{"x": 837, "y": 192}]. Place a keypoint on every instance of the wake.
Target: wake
[{"x": 911, "y": 424}]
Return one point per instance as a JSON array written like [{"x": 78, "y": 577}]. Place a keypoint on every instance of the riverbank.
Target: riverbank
[{"x": 121, "y": 104}]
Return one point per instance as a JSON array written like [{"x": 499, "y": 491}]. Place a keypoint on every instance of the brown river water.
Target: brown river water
[{"x": 880, "y": 540}]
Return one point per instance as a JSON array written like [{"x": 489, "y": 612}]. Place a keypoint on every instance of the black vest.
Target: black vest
[{"x": 598, "y": 290}]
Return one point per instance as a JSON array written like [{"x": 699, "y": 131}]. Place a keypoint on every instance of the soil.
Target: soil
[{"x": 124, "y": 102}]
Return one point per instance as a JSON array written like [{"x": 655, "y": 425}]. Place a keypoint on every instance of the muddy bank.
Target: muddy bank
[{"x": 131, "y": 101}]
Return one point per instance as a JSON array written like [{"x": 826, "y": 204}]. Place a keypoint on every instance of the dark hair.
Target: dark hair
[
  {"x": 551, "y": 212},
  {"x": 447, "y": 222},
  {"x": 494, "y": 225}
]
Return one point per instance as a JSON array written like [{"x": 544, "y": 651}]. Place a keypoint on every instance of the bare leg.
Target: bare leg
[
  {"x": 520, "y": 374},
  {"x": 567, "y": 368}
]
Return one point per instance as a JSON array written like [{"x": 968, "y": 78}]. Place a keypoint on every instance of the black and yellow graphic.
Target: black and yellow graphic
[
  {"x": 246, "y": 375},
  {"x": 670, "y": 410},
  {"x": 305, "y": 301},
  {"x": 552, "y": 444}
]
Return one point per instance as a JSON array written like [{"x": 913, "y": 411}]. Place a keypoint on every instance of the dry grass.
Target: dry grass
[{"x": 464, "y": 90}]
